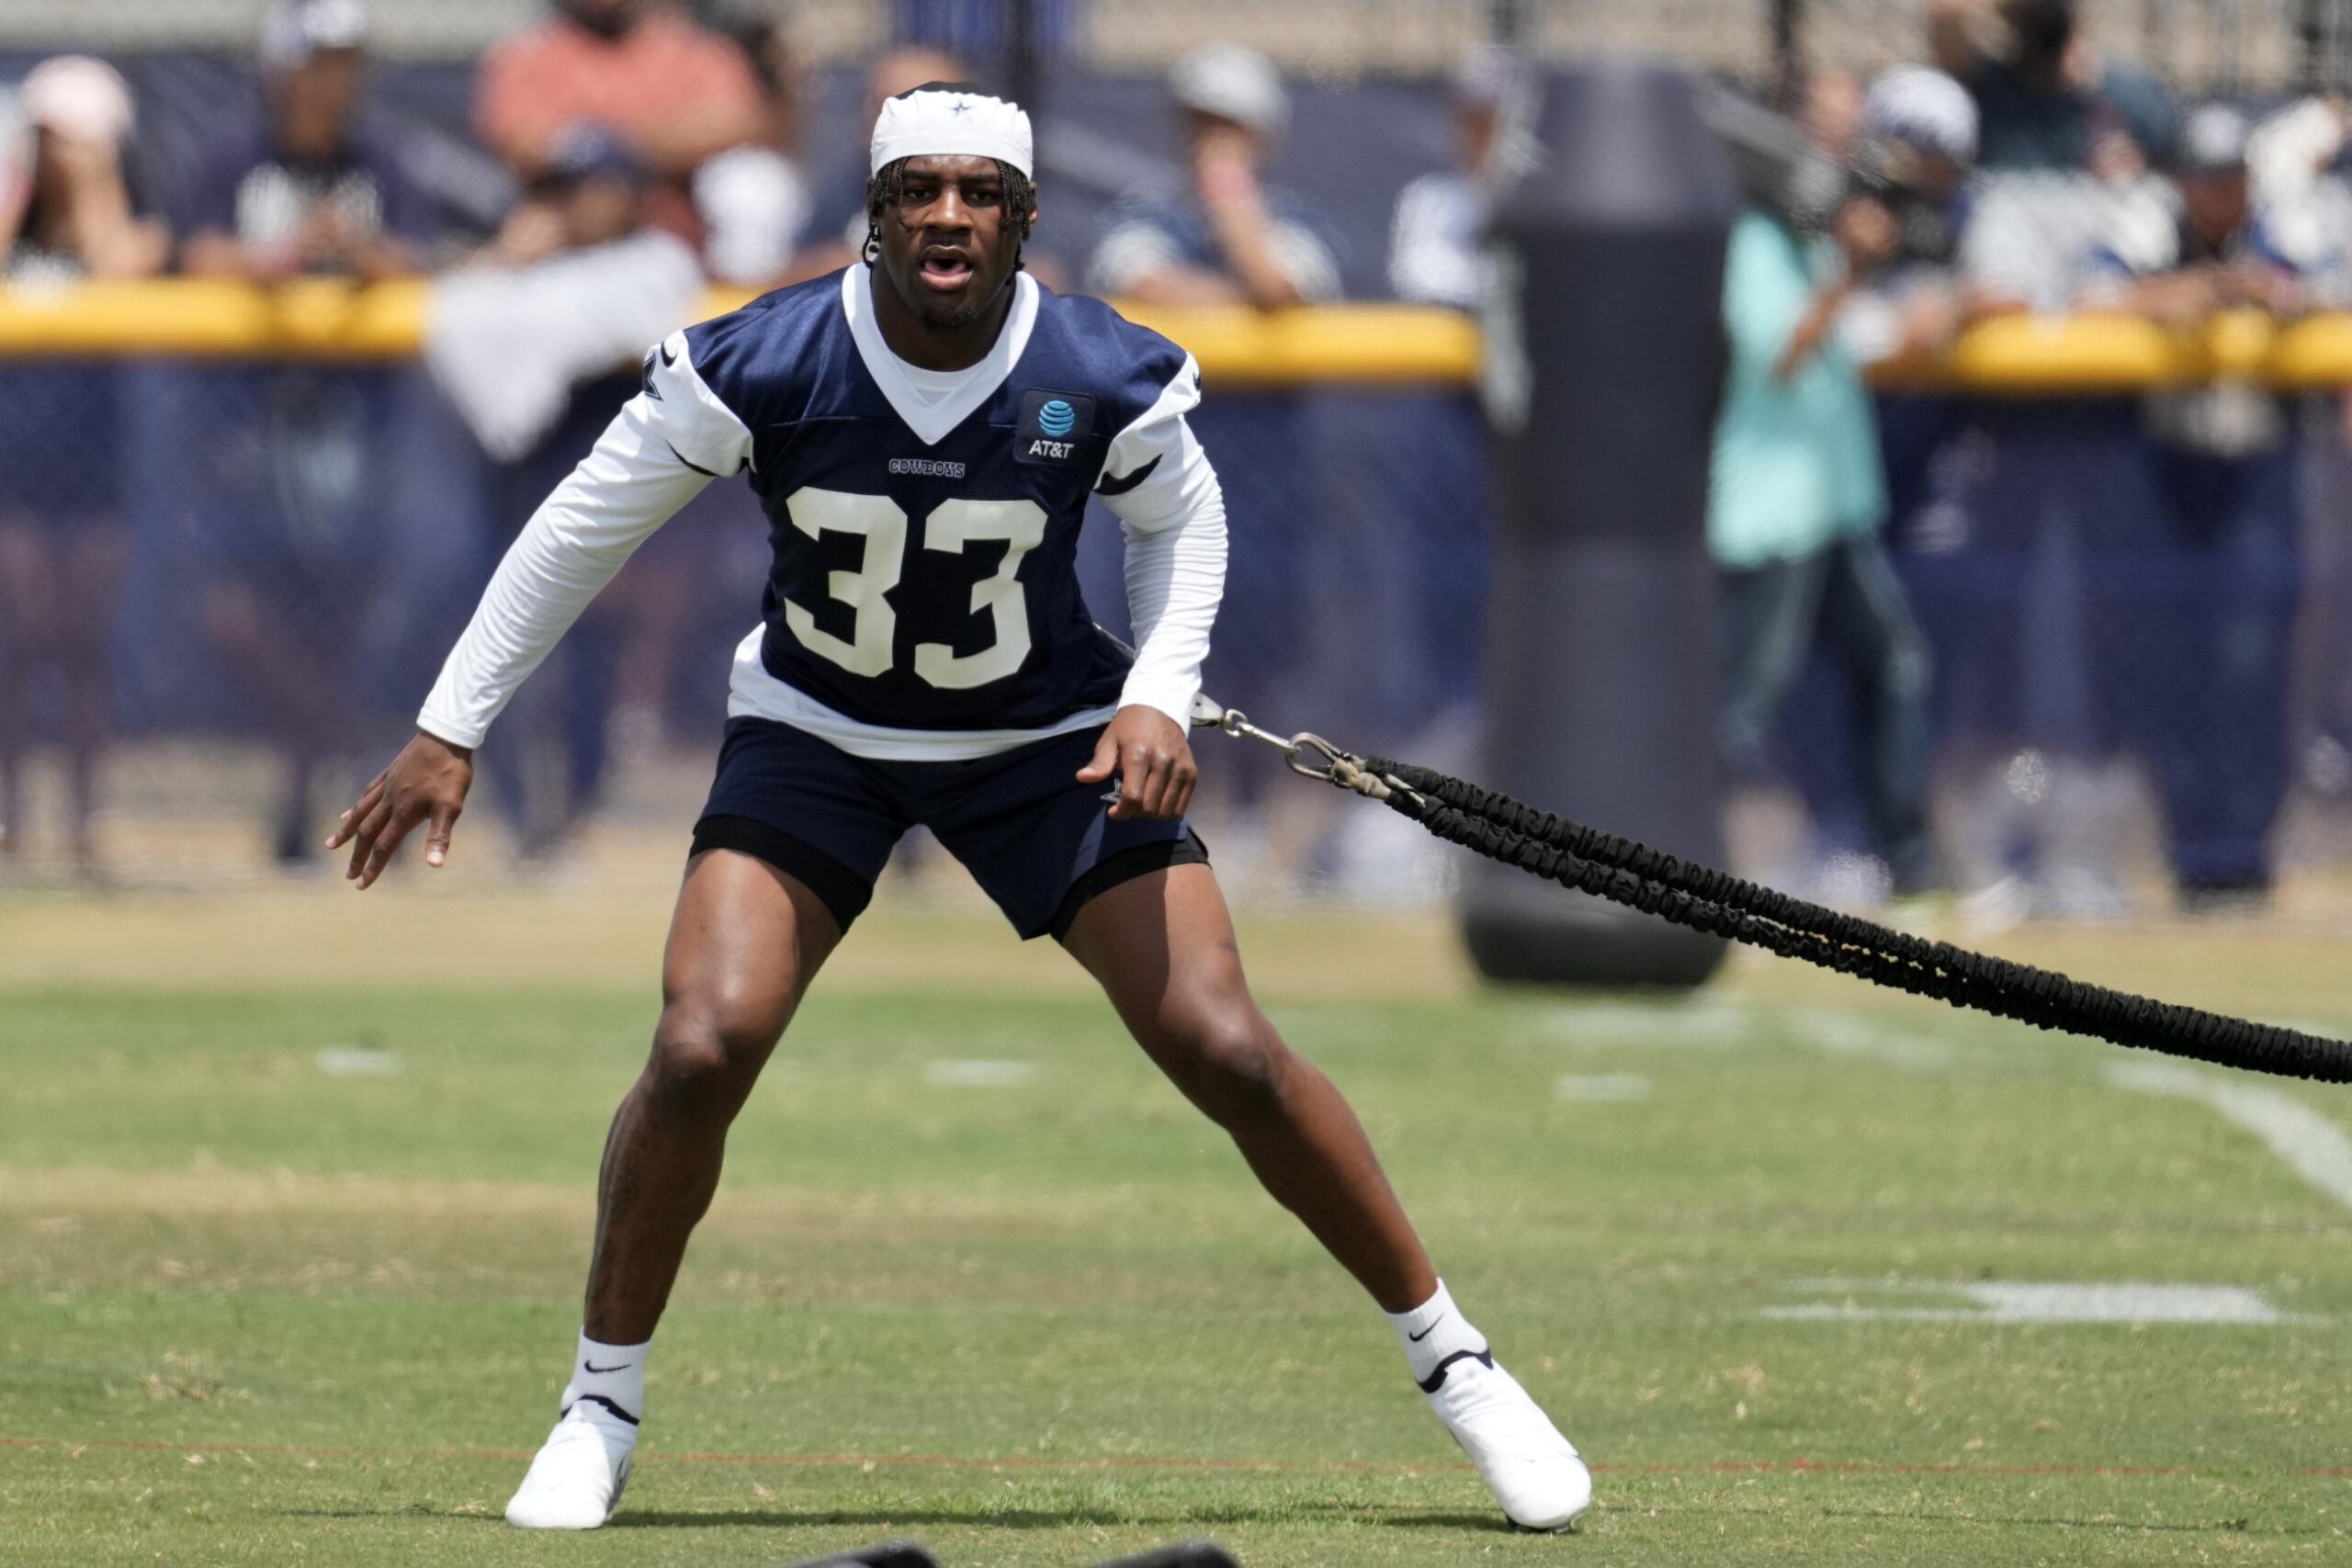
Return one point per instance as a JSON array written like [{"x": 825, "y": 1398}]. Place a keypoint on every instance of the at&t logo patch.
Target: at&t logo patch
[{"x": 1054, "y": 427}]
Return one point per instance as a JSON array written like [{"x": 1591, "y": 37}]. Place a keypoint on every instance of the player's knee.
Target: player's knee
[
  {"x": 1230, "y": 1062},
  {"x": 705, "y": 1058}
]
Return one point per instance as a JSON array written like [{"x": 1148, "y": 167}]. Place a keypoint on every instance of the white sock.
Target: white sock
[
  {"x": 1434, "y": 1331},
  {"x": 610, "y": 1376}
]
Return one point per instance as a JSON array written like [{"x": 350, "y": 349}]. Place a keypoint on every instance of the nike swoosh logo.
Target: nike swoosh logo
[
  {"x": 592, "y": 1367},
  {"x": 669, "y": 355},
  {"x": 1415, "y": 1338}
]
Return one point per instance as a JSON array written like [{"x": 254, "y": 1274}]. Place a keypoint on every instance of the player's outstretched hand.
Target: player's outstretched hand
[
  {"x": 427, "y": 783},
  {"x": 1154, "y": 760}
]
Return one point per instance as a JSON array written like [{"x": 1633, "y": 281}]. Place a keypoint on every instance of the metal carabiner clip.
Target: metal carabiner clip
[
  {"x": 1343, "y": 769},
  {"x": 1237, "y": 724},
  {"x": 1305, "y": 741}
]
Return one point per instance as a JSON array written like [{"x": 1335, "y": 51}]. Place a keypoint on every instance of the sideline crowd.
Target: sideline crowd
[{"x": 634, "y": 150}]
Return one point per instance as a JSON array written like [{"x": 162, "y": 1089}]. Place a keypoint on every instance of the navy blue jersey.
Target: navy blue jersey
[{"x": 925, "y": 538}]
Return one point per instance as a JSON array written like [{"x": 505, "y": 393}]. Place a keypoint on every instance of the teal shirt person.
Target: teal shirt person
[{"x": 1796, "y": 460}]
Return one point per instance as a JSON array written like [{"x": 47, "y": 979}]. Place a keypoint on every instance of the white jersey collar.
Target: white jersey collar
[{"x": 930, "y": 421}]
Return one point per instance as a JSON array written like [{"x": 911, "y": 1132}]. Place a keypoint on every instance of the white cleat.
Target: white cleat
[
  {"x": 1533, "y": 1472},
  {"x": 575, "y": 1479}
]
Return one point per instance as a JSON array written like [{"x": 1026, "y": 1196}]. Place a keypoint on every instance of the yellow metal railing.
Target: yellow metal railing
[
  {"x": 2030, "y": 356},
  {"x": 1357, "y": 344},
  {"x": 316, "y": 319},
  {"x": 306, "y": 320}
]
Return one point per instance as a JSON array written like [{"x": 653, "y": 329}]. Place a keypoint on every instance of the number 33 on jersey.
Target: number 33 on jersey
[{"x": 925, "y": 525}]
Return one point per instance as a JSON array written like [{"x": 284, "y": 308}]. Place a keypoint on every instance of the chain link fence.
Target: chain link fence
[
  {"x": 2218, "y": 46},
  {"x": 2204, "y": 47},
  {"x": 2143, "y": 669}
]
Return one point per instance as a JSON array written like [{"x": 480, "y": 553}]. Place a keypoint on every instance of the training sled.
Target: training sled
[{"x": 1699, "y": 899}]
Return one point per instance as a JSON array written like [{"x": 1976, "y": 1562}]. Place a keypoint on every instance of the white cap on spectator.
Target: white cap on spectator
[
  {"x": 1232, "y": 81},
  {"x": 2213, "y": 141},
  {"x": 943, "y": 122},
  {"x": 295, "y": 30},
  {"x": 76, "y": 95},
  {"x": 1924, "y": 107},
  {"x": 1491, "y": 77}
]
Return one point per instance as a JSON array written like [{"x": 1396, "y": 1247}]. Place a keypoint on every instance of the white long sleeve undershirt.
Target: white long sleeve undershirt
[
  {"x": 635, "y": 480},
  {"x": 1175, "y": 533}
]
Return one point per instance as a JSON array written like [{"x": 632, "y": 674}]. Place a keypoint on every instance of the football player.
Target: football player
[{"x": 924, "y": 431}]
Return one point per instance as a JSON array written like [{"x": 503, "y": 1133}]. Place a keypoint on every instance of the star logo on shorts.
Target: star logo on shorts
[{"x": 959, "y": 108}]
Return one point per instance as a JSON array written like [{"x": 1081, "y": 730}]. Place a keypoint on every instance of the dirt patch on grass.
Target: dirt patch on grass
[{"x": 52, "y": 1201}]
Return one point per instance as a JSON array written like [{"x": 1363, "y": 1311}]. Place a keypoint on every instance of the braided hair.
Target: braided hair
[{"x": 885, "y": 188}]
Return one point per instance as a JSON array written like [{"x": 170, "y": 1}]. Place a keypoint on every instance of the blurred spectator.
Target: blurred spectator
[
  {"x": 64, "y": 200},
  {"x": 1439, "y": 230},
  {"x": 537, "y": 346},
  {"x": 754, "y": 199},
  {"x": 2293, "y": 156},
  {"x": 1224, "y": 236},
  {"x": 675, "y": 91},
  {"x": 1217, "y": 234},
  {"x": 66, "y": 213},
  {"x": 312, "y": 190},
  {"x": 1922, "y": 126},
  {"x": 838, "y": 236},
  {"x": 2054, "y": 117},
  {"x": 2049, "y": 100},
  {"x": 1927, "y": 128},
  {"x": 571, "y": 296},
  {"x": 2031, "y": 234},
  {"x": 291, "y": 473},
  {"x": 2219, "y": 573},
  {"x": 1797, "y": 507},
  {"x": 2217, "y": 252}
]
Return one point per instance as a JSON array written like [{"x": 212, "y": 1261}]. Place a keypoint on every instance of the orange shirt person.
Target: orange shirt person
[{"x": 675, "y": 91}]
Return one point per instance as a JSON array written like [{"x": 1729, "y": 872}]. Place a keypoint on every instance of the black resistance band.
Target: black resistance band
[{"x": 1704, "y": 900}]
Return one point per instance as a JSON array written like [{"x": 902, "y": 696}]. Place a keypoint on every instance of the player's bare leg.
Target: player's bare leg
[
  {"x": 744, "y": 942},
  {"x": 1163, "y": 948}
]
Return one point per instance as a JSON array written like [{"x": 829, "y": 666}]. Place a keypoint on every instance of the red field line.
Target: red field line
[{"x": 1311, "y": 1467}]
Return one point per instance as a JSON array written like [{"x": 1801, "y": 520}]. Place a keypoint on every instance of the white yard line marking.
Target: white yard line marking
[
  {"x": 1723, "y": 1026},
  {"x": 978, "y": 1074},
  {"x": 1600, "y": 1087},
  {"x": 2016, "y": 1300},
  {"x": 2315, "y": 1147},
  {"x": 359, "y": 1062},
  {"x": 1702, "y": 1024},
  {"x": 1843, "y": 1034}
]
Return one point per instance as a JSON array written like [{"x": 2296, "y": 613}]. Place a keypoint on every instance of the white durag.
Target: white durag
[{"x": 941, "y": 123}]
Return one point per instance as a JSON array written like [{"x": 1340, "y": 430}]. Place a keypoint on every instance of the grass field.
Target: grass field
[{"x": 294, "y": 1196}]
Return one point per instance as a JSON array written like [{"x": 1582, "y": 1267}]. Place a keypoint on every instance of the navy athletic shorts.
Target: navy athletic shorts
[{"x": 1038, "y": 841}]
